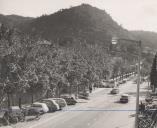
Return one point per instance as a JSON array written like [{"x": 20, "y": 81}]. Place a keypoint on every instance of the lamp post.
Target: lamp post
[{"x": 115, "y": 41}]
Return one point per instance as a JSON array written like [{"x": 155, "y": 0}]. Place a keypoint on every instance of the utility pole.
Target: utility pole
[{"x": 138, "y": 85}]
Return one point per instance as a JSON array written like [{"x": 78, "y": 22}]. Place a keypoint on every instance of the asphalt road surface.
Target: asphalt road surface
[{"x": 102, "y": 111}]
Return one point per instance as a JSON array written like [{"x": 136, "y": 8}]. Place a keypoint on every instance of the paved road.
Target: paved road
[{"x": 102, "y": 111}]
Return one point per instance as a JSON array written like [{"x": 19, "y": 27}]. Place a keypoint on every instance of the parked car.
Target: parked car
[
  {"x": 153, "y": 94},
  {"x": 149, "y": 99},
  {"x": 83, "y": 95},
  {"x": 102, "y": 84},
  {"x": 120, "y": 82},
  {"x": 52, "y": 104},
  {"x": 60, "y": 101},
  {"x": 124, "y": 81},
  {"x": 124, "y": 98},
  {"x": 117, "y": 84},
  {"x": 41, "y": 105},
  {"x": 3, "y": 119},
  {"x": 114, "y": 91},
  {"x": 32, "y": 110},
  {"x": 69, "y": 100},
  {"x": 110, "y": 84},
  {"x": 13, "y": 115},
  {"x": 96, "y": 85},
  {"x": 136, "y": 80}
]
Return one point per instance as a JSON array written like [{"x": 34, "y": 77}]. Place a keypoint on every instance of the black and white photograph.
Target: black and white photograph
[{"x": 78, "y": 64}]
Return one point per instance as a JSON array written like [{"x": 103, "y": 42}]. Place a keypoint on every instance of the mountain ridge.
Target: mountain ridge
[
  {"x": 83, "y": 22},
  {"x": 13, "y": 20}
]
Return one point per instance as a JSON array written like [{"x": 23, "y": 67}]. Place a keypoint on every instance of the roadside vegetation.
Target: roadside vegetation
[{"x": 33, "y": 68}]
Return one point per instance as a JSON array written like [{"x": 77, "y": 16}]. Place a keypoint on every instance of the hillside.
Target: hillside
[
  {"x": 148, "y": 38},
  {"x": 84, "y": 22},
  {"x": 83, "y": 25},
  {"x": 13, "y": 20}
]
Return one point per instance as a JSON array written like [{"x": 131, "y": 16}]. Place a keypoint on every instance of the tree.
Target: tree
[{"x": 153, "y": 74}]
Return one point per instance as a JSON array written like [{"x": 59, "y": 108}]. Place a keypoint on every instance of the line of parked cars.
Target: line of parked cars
[{"x": 16, "y": 114}]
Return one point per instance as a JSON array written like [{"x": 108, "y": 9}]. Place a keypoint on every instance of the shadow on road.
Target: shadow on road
[
  {"x": 118, "y": 102},
  {"x": 132, "y": 115},
  {"x": 32, "y": 119}
]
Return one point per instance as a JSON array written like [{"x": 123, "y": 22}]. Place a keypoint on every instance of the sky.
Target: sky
[{"x": 131, "y": 14}]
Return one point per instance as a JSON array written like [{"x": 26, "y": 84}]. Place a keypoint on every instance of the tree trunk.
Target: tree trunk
[
  {"x": 59, "y": 92},
  {"x": 70, "y": 91},
  {"x": 20, "y": 102},
  {"x": 77, "y": 91},
  {"x": 47, "y": 94},
  {"x": 32, "y": 96},
  {"x": 8, "y": 100}
]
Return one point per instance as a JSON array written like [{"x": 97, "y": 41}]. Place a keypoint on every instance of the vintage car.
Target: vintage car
[
  {"x": 120, "y": 82},
  {"x": 69, "y": 100},
  {"x": 13, "y": 115},
  {"x": 33, "y": 110},
  {"x": 110, "y": 84},
  {"x": 102, "y": 84},
  {"x": 114, "y": 91},
  {"x": 149, "y": 99},
  {"x": 41, "y": 105},
  {"x": 124, "y": 81},
  {"x": 3, "y": 119},
  {"x": 52, "y": 104},
  {"x": 60, "y": 101},
  {"x": 124, "y": 98},
  {"x": 83, "y": 95}
]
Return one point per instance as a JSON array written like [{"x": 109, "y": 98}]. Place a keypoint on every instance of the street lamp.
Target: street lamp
[{"x": 115, "y": 41}]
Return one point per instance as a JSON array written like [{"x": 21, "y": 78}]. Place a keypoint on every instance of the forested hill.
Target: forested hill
[
  {"x": 13, "y": 20},
  {"x": 148, "y": 38},
  {"x": 85, "y": 25},
  {"x": 83, "y": 22}
]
